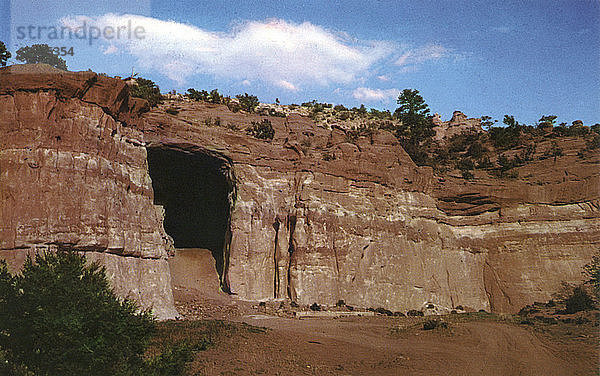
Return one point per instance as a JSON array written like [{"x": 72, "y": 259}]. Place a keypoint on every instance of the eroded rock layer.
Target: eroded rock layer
[
  {"x": 73, "y": 174},
  {"x": 317, "y": 214},
  {"x": 321, "y": 216}
]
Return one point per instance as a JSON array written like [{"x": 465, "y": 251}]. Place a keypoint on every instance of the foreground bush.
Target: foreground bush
[{"x": 60, "y": 317}]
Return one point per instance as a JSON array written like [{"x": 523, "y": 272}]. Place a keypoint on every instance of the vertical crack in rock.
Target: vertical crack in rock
[
  {"x": 291, "y": 224},
  {"x": 494, "y": 290},
  {"x": 276, "y": 225},
  {"x": 229, "y": 173},
  {"x": 449, "y": 288},
  {"x": 337, "y": 261},
  {"x": 337, "y": 266}
]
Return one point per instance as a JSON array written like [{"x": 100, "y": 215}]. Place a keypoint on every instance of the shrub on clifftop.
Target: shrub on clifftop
[
  {"x": 40, "y": 53},
  {"x": 146, "y": 89},
  {"x": 4, "y": 54},
  {"x": 247, "y": 102}
]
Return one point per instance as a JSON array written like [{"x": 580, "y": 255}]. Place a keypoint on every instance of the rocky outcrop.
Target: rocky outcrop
[
  {"x": 459, "y": 123},
  {"x": 321, "y": 216},
  {"x": 315, "y": 215},
  {"x": 74, "y": 175}
]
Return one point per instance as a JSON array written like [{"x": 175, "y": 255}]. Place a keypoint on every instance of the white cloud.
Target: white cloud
[
  {"x": 383, "y": 78},
  {"x": 287, "y": 85},
  {"x": 110, "y": 50},
  {"x": 423, "y": 54},
  {"x": 275, "y": 51},
  {"x": 372, "y": 95}
]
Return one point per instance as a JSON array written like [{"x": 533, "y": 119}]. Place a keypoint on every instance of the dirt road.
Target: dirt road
[
  {"x": 471, "y": 345},
  {"x": 388, "y": 346}
]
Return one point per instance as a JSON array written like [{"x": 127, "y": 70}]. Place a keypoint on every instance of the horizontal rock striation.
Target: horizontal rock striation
[
  {"x": 316, "y": 215},
  {"x": 74, "y": 175},
  {"x": 322, "y": 215}
]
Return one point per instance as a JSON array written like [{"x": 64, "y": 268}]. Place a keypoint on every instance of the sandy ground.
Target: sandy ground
[{"x": 381, "y": 345}]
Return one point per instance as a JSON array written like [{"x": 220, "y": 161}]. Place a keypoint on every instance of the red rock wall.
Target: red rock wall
[
  {"x": 369, "y": 227},
  {"x": 317, "y": 216},
  {"x": 72, "y": 175}
]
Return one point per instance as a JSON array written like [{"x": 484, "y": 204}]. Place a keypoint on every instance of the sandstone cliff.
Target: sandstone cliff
[
  {"x": 73, "y": 174},
  {"x": 321, "y": 216},
  {"x": 315, "y": 215}
]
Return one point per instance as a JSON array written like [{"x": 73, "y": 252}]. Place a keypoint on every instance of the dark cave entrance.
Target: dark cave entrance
[{"x": 197, "y": 191}]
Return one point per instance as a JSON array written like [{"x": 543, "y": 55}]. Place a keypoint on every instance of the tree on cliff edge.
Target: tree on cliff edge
[
  {"x": 146, "y": 89},
  {"x": 40, "y": 53},
  {"x": 414, "y": 115},
  {"x": 416, "y": 126},
  {"x": 4, "y": 54}
]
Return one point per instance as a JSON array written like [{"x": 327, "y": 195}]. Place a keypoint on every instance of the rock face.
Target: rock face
[
  {"x": 320, "y": 216},
  {"x": 458, "y": 124},
  {"x": 315, "y": 215},
  {"x": 73, "y": 174}
]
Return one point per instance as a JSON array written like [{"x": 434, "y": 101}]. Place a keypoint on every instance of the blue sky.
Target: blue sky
[{"x": 525, "y": 58}]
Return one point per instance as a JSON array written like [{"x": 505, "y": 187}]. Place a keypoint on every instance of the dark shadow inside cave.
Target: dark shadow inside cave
[{"x": 194, "y": 189}]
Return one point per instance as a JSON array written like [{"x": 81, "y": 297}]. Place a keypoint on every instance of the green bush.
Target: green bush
[
  {"x": 263, "y": 130},
  {"x": 172, "y": 111},
  {"x": 593, "y": 142},
  {"x": 579, "y": 300},
  {"x": 173, "y": 359},
  {"x": 433, "y": 324},
  {"x": 40, "y": 53},
  {"x": 214, "y": 97},
  {"x": 196, "y": 95},
  {"x": 383, "y": 115},
  {"x": 461, "y": 142},
  {"x": 507, "y": 163},
  {"x": 4, "y": 54},
  {"x": 247, "y": 102},
  {"x": 146, "y": 89},
  {"x": 60, "y": 317},
  {"x": 417, "y": 152},
  {"x": 505, "y": 137},
  {"x": 476, "y": 150}
]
